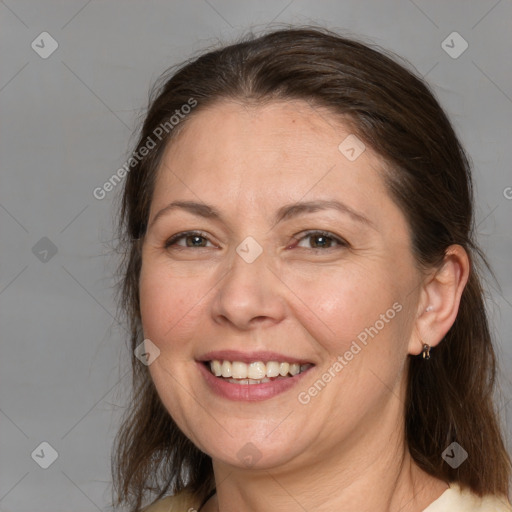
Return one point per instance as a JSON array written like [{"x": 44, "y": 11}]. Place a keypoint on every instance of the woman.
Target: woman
[{"x": 301, "y": 268}]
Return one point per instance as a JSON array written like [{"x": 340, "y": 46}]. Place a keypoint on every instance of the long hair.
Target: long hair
[{"x": 427, "y": 174}]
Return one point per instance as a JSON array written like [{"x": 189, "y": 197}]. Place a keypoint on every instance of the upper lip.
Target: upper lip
[{"x": 250, "y": 357}]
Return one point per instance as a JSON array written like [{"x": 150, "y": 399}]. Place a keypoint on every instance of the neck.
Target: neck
[
  {"x": 379, "y": 488},
  {"x": 372, "y": 471}
]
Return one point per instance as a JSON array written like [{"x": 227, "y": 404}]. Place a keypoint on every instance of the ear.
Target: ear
[{"x": 439, "y": 299}]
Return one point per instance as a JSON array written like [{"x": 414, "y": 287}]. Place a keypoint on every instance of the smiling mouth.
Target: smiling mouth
[{"x": 257, "y": 372}]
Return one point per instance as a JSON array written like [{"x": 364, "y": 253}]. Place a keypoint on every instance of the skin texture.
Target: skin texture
[{"x": 344, "y": 449}]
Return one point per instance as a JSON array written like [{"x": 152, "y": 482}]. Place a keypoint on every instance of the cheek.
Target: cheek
[
  {"x": 170, "y": 307},
  {"x": 338, "y": 305}
]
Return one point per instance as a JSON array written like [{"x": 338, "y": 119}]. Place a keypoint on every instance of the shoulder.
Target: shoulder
[
  {"x": 456, "y": 499},
  {"x": 182, "y": 502}
]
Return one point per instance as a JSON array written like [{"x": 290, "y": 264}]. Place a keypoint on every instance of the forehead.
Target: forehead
[
  {"x": 236, "y": 154},
  {"x": 241, "y": 131}
]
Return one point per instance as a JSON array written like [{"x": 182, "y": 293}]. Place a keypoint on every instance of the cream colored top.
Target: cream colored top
[
  {"x": 452, "y": 500},
  {"x": 455, "y": 499}
]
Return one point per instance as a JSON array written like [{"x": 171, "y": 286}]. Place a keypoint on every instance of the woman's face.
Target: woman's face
[{"x": 297, "y": 255}]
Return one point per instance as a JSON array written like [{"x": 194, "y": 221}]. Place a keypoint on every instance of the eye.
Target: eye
[
  {"x": 188, "y": 239},
  {"x": 320, "y": 240},
  {"x": 309, "y": 240}
]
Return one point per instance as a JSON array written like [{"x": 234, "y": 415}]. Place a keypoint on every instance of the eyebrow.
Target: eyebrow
[{"x": 286, "y": 212}]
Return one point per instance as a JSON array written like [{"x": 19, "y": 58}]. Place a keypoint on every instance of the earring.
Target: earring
[
  {"x": 430, "y": 308},
  {"x": 426, "y": 351}
]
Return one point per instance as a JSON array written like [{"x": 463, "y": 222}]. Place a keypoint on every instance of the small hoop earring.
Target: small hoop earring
[{"x": 426, "y": 351}]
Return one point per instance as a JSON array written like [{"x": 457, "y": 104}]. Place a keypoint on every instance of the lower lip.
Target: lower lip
[{"x": 248, "y": 392}]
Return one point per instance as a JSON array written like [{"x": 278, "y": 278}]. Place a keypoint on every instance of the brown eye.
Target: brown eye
[
  {"x": 321, "y": 240},
  {"x": 191, "y": 239},
  {"x": 195, "y": 241}
]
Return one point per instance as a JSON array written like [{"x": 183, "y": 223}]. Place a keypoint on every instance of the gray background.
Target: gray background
[{"x": 66, "y": 127}]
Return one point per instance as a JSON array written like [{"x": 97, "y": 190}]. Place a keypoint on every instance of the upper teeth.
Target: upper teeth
[{"x": 257, "y": 370}]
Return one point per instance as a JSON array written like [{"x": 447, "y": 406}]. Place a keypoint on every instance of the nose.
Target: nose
[{"x": 250, "y": 295}]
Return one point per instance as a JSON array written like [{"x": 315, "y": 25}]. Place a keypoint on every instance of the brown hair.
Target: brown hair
[{"x": 394, "y": 112}]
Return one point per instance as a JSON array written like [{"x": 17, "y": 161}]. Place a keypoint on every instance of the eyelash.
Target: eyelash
[{"x": 341, "y": 243}]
